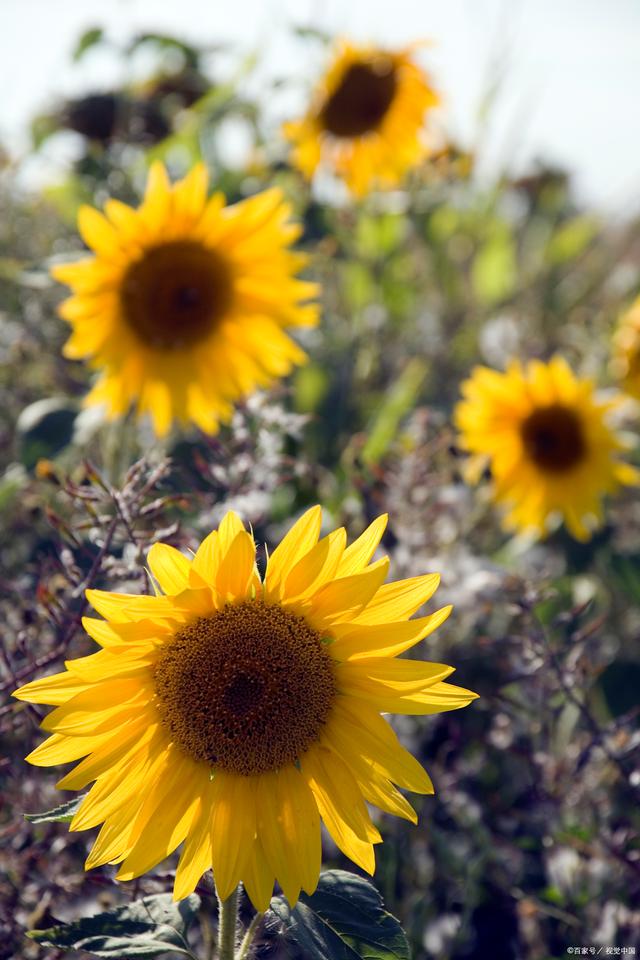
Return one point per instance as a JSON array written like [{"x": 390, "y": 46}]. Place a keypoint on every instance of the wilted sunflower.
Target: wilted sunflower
[
  {"x": 232, "y": 714},
  {"x": 366, "y": 118},
  {"x": 544, "y": 434},
  {"x": 183, "y": 306},
  {"x": 626, "y": 350}
]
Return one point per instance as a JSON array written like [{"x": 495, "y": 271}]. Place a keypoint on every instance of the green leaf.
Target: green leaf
[
  {"x": 312, "y": 33},
  {"x": 311, "y": 387},
  {"x": 494, "y": 271},
  {"x": 164, "y": 42},
  {"x": 377, "y": 237},
  {"x": 62, "y": 814},
  {"x": 571, "y": 239},
  {"x": 358, "y": 284},
  {"x": 343, "y": 920},
  {"x": 399, "y": 400},
  {"x": 149, "y": 927},
  {"x": 11, "y": 483},
  {"x": 43, "y": 126},
  {"x": 88, "y": 39},
  {"x": 627, "y": 570}
]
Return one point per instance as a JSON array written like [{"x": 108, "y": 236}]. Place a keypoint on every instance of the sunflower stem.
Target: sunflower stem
[
  {"x": 227, "y": 924},
  {"x": 248, "y": 938}
]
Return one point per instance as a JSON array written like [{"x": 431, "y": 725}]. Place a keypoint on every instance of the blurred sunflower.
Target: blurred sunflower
[
  {"x": 544, "y": 433},
  {"x": 626, "y": 350},
  {"x": 366, "y": 118},
  {"x": 232, "y": 714},
  {"x": 183, "y": 306}
]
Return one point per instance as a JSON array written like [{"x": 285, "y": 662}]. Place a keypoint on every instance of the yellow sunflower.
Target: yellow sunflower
[
  {"x": 183, "y": 306},
  {"x": 626, "y": 350},
  {"x": 366, "y": 118},
  {"x": 545, "y": 435},
  {"x": 231, "y": 714}
]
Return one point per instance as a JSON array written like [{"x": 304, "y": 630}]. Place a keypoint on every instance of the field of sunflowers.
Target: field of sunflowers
[{"x": 282, "y": 445}]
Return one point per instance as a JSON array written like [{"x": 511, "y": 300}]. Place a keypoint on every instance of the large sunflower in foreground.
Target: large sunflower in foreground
[
  {"x": 544, "y": 434},
  {"x": 366, "y": 118},
  {"x": 184, "y": 305},
  {"x": 232, "y": 714},
  {"x": 626, "y": 350}
]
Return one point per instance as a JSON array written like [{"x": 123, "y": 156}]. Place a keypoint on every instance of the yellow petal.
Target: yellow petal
[
  {"x": 399, "y": 600},
  {"x": 170, "y": 567},
  {"x": 111, "y": 663},
  {"x": 118, "y": 700},
  {"x": 379, "y": 677},
  {"x": 317, "y": 567},
  {"x": 435, "y": 699},
  {"x": 114, "y": 842},
  {"x": 123, "y": 607},
  {"x": 196, "y": 855},
  {"x": 259, "y": 878},
  {"x": 56, "y": 689},
  {"x": 60, "y": 748},
  {"x": 164, "y": 818},
  {"x": 230, "y": 526},
  {"x": 359, "y": 731},
  {"x": 361, "y": 550},
  {"x": 122, "y": 780},
  {"x": 382, "y": 793},
  {"x": 119, "y": 634},
  {"x": 190, "y": 194},
  {"x": 383, "y": 639},
  {"x": 236, "y": 570},
  {"x": 233, "y": 828},
  {"x": 302, "y": 536},
  {"x": 97, "y": 233},
  {"x": 359, "y": 850},
  {"x": 345, "y": 598},
  {"x": 289, "y": 830},
  {"x": 157, "y": 204},
  {"x": 205, "y": 563},
  {"x": 110, "y": 750},
  {"x": 337, "y": 794}
]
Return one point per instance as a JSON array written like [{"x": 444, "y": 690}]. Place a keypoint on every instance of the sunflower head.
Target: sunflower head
[
  {"x": 232, "y": 713},
  {"x": 544, "y": 433},
  {"x": 184, "y": 303},
  {"x": 625, "y": 362},
  {"x": 366, "y": 118}
]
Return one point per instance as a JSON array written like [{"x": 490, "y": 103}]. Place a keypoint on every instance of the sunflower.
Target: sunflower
[
  {"x": 626, "y": 353},
  {"x": 544, "y": 433},
  {"x": 366, "y": 118},
  {"x": 232, "y": 714},
  {"x": 183, "y": 306}
]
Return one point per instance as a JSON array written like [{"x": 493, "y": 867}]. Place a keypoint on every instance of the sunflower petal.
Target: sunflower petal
[
  {"x": 302, "y": 536},
  {"x": 170, "y": 568}
]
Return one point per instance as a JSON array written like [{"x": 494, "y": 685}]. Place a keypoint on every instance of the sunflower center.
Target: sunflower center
[
  {"x": 175, "y": 295},
  {"x": 361, "y": 100},
  {"x": 246, "y": 690},
  {"x": 554, "y": 439}
]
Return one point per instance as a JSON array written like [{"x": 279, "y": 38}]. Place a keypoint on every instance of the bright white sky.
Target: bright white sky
[{"x": 569, "y": 69}]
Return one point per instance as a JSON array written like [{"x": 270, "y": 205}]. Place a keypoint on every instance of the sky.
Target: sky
[{"x": 567, "y": 72}]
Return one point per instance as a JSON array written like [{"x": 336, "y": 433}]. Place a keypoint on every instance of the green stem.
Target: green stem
[
  {"x": 247, "y": 940},
  {"x": 227, "y": 923}
]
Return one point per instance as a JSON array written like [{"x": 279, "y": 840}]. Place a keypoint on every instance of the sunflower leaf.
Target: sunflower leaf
[
  {"x": 149, "y": 927},
  {"x": 343, "y": 920},
  {"x": 62, "y": 814}
]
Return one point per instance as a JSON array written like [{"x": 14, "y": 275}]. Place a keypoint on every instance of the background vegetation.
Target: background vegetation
[{"x": 531, "y": 844}]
